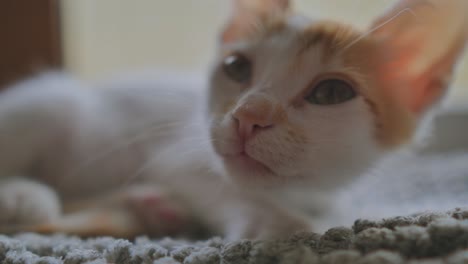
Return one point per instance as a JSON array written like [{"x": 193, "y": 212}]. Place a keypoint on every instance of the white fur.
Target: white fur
[{"x": 27, "y": 202}]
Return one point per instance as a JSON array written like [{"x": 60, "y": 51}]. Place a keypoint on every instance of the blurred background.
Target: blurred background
[{"x": 97, "y": 39}]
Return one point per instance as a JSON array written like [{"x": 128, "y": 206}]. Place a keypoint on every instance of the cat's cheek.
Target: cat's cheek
[
  {"x": 224, "y": 138},
  {"x": 341, "y": 144}
]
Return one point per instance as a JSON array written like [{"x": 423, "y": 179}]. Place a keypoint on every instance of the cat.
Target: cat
[{"x": 292, "y": 109}]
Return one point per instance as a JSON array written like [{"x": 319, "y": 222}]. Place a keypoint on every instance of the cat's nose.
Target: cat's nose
[{"x": 254, "y": 115}]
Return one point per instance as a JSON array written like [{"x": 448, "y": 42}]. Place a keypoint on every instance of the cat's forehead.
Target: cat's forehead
[
  {"x": 290, "y": 53},
  {"x": 295, "y": 36},
  {"x": 302, "y": 48}
]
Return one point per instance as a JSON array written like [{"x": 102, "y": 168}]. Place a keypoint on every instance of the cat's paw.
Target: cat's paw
[
  {"x": 24, "y": 202},
  {"x": 158, "y": 212}
]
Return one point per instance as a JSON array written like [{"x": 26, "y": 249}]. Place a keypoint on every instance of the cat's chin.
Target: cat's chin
[
  {"x": 244, "y": 161},
  {"x": 247, "y": 171}
]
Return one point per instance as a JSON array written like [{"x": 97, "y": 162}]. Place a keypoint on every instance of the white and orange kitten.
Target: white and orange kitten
[{"x": 293, "y": 109}]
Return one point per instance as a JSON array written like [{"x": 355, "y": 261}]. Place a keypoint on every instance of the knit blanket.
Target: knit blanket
[{"x": 423, "y": 238}]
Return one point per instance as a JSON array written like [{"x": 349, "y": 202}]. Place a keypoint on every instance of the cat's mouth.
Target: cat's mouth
[{"x": 247, "y": 164}]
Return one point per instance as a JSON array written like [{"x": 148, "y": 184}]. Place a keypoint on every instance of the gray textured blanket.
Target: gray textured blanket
[{"x": 425, "y": 238}]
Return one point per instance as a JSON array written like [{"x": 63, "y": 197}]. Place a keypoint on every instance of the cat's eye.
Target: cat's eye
[
  {"x": 330, "y": 92},
  {"x": 238, "y": 68}
]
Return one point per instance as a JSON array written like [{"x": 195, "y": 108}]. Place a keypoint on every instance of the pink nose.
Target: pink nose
[
  {"x": 254, "y": 115},
  {"x": 248, "y": 124}
]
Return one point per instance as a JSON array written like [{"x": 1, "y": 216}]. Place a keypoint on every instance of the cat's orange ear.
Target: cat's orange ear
[
  {"x": 249, "y": 15},
  {"x": 422, "y": 41}
]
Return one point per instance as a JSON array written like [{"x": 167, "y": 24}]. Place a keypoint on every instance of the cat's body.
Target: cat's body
[
  {"x": 91, "y": 143},
  {"x": 92, "y": 131},
  {"x": 293, "y": 109}
]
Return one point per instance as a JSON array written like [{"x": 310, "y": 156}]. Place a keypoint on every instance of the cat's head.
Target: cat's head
[{"x": 319, "y": 102}]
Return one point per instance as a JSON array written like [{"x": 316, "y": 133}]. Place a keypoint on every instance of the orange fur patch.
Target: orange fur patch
[
  {"x": 332, "y": 36},
  {"x": 394, "y": 124}
]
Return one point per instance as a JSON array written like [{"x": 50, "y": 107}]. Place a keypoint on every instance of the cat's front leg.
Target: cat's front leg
[
  {"x": 146, "y": 209},
  {"x": 26, "y": 202}
]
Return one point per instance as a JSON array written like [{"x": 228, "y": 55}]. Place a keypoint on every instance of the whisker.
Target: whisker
[
  {"x": 406, "y": 10},
  {"x": 134, "y": 139},
  {"x": 150, "y": 162},
  {"x": 203, "y": 144}
]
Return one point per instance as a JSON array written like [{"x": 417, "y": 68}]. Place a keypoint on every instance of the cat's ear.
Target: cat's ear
[
  {"x": 422, "y": 40},
  {"x": 249, "y": 15}
]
